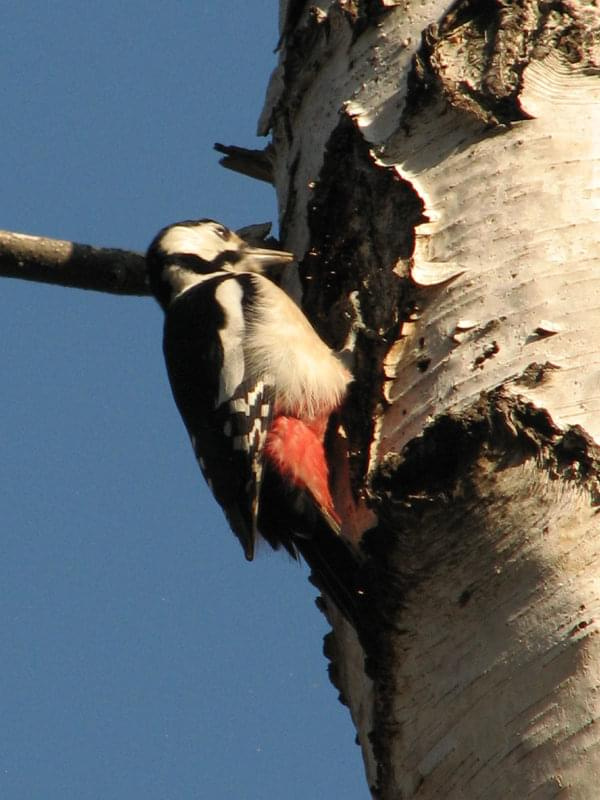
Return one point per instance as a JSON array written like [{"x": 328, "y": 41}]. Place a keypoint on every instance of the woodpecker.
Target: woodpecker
[{"x": 255, "y": 386}]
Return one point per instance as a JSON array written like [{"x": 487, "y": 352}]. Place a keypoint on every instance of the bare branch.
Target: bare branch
[
  {"x": 35, "y": 258},
  {"x": 256, "y": 164}
]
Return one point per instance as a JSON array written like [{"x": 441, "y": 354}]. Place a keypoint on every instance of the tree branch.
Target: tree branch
[
  {"x": 35, "y": 258},
  {"x": 256, "y": 164}
]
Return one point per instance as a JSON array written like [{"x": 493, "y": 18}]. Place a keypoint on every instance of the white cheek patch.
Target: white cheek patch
[
  {"x": 202, "y": 241},
  {"x": 229, "y": 296}
]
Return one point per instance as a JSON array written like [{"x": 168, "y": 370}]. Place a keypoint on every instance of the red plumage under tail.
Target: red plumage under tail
[
  {"x": 295, "y": 457},
  {"x": 295, "y": 448}
]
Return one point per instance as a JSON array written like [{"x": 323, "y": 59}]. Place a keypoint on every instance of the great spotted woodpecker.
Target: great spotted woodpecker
[{"x": 255, "y": 386}]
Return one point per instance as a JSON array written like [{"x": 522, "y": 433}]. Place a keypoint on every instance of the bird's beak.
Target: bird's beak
[{"x": 263, "y": 259}]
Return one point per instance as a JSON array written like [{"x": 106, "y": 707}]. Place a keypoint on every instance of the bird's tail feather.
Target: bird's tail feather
[{"x": 336, "y": 571}]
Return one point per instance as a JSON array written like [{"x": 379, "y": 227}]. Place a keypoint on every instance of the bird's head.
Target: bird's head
[{"x": 186, "y": 253}]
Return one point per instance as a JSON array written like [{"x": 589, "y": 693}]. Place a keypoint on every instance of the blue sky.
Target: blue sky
[{"x": 142, "y": 657}]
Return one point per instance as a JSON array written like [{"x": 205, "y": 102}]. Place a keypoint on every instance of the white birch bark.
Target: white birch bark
[{"x": 440, "y": 169}]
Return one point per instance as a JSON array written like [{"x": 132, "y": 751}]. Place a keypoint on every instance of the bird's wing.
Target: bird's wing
[
  {"x": 226, "y": 412},
  {"x": 245, "y": 419}
]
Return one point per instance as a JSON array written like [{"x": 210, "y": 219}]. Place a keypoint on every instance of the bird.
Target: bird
[{"x": 256, "y": 387}]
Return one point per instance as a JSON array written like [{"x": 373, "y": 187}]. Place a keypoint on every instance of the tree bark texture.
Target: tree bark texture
[{"x": 438, "y": 167}]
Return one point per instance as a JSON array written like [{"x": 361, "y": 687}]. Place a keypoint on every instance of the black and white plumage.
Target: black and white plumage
[{"x": 255, "y": 386}]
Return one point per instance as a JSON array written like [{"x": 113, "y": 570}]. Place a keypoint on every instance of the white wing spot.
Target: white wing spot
[
  {"x": 256, "y": 430},
  {"x": 240, "y": 406},
  {"x": 255, "y": 393}
]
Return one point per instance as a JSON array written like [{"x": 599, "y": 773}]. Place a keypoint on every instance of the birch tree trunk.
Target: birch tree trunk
[{"x": 438, "y": 166}]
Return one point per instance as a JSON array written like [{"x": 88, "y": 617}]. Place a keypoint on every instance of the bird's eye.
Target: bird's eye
[{"x": 221, "y": 231}]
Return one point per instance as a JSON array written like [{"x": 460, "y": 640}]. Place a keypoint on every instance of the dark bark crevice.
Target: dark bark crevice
[
  {"x": 449, "y": 472},
  {"x": 352, "y": 272},
  {"x": 488, "y": 44},
  {"x": 501, "y": 428}
]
